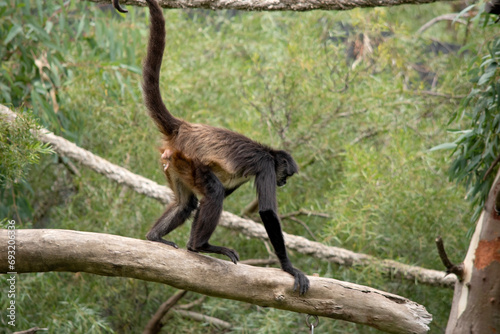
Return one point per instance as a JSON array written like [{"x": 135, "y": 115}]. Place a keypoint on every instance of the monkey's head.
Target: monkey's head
[{"x": 285, "y": 167}]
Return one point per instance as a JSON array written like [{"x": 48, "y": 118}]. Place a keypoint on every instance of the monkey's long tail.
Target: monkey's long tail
[{"x": 165, "y": 121}]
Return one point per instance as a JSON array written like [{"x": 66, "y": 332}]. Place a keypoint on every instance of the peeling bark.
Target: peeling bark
[{"x": 476, "y": 300}]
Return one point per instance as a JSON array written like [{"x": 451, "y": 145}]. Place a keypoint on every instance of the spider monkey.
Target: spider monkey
[{"x": 208, "y": 163}]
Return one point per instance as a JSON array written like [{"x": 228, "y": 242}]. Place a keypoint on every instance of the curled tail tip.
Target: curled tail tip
[{"x": 116, "y": 5}]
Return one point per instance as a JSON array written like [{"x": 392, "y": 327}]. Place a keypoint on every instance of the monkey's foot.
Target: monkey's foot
[
  {"x": 301, "y": 281},
  {"x": 166, "y": 242},
  {"x": 207, "y": 248},
  {"x": 170, "y": 243}
]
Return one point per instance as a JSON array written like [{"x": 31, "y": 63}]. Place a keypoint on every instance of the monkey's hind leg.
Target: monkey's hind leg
[
  {"x": 175, "y": 215},
  {"x": 208, "y": 215}
]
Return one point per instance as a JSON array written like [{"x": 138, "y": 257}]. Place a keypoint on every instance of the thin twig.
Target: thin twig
[
  {"x": 303, "y": 225},
  {"x": 444, "y": 17},
  {"x": 365, "y": 135},
  {"x": 204, "y": 318},
  {"x": 488, "y": 172},
  {"x": 349, "y": 114},
  {"x": 197, "y": 302},
  {"x": 306, "y": 213},
  {"x": 250, "y": 208},
  {"x": 70, "y": 166},
  {"x": 448, "y": 96},
  {"x": 31, "y": 330},
  {"x": 154, "y": 325},
  {"x": 451, "y": 268}
]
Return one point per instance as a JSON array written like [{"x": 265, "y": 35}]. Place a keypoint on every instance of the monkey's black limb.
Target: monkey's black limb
[
  {"x": 273, "y": 229},
  {"x": 119, "y": 8},
  {"x": 175, "y": 215}
]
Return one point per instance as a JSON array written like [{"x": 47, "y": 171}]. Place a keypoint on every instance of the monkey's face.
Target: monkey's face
[
  {"x": 285, "y": 167},
  {"x": 281, "y": 182}
]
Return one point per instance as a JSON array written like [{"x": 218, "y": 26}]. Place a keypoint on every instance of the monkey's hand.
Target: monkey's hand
[{"x": 301, "y": 280}]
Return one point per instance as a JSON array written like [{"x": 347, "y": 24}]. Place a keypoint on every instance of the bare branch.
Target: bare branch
[
  {"x": 437, "y": 94},
  {"x": 365, "y": 135},
  {"x": 275, "y": 5},
  {"x": 305, "y": 213},
  {"x": 154, "y": 325},
  {"x": 490, "y": 169},
  {"x": 110, "y": 255},
  {"x": 451, "y": 268},
  {"x": 304, "y": 225},
  {"x": 250, "y": 208},
  {"x": 31, "y": 330},
  {"x": 194, "y": 303},
  {"x": 444, "y": 17},
  {"x": 204, "y": 318}
]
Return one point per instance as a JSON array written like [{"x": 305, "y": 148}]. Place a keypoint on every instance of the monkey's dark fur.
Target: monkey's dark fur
[
  {"x": 210, "y": 163},
  {"x": 116, "y": 4}
]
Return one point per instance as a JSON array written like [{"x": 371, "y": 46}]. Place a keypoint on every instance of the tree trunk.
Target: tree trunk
[
  {"x": 476, "y": 301},
  {"x": 111, "y": 255}
]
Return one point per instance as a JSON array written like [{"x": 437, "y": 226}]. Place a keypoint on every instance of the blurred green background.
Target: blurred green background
[{"x": 358, "y": 97}]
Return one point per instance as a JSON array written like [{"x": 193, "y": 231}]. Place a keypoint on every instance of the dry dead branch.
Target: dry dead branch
[{"x": 111, "y": 255}]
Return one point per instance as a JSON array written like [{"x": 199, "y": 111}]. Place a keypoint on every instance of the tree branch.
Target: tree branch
[
  {"x": 247, "y": 227},
  {"x": 451, "y": 268},
  {"x": 111, "y": 255},
  {"x": 444, "y": 17},
  {"x": 275, "y": 5},
  {"x": 490, "y": 169},
  {"x": 204, "y": 318},
  {"x": 31, "y": 330},
  {"x": 154, "y": 324}
]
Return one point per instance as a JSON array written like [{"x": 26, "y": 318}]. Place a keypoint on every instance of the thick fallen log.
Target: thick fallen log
[
  {"x": 276, "y": 5},
  {"x": 111, "y": 255},
  {"x": 247, "y": 227}
]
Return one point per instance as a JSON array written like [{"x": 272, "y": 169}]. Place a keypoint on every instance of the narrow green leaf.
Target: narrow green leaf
[
  {"x": 445, "y": 146},
  {"x": 490, "y": 72},
  {"x": 13, "y": 32}
]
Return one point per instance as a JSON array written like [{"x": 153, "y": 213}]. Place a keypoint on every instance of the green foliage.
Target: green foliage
[
  {"x": 354, "y": 95},
  {"x": 477, "y": 145},
  {"x": 18, "y": 148},
  {"x": 32, "y": 54}
]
